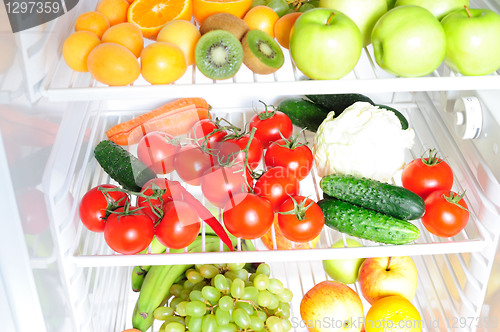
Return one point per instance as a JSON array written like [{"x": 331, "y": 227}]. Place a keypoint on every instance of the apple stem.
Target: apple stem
[
  {"x": 330, "y": 18},
  {"x": 468, "y": 11},
  {"x": 388, "y": 263}
]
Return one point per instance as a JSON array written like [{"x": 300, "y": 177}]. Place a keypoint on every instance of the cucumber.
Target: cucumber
[
  {"x": 303, "y": 113},
  {"x": 367, "y": 224},
  {"x": 401, "y": 117},
  {"x": 382, "y": 197},
  {"x": 122, "y": 166},
  {"x": 338, "y": 102}
]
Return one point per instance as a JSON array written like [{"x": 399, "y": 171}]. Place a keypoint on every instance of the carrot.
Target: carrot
[
  {"x": 168, "y": 108},
  {"x": 176, "y": 123}
]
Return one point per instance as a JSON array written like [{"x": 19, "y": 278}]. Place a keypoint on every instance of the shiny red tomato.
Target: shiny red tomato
[
  {"x": 446, "y": 213},
  {"x": 231, "y": 150},
  {"x": 290, "y": 154},
  {"x": 248, "y": 216},
  {"x": 157, "y": 151},
  {"x": 155, "y": 186},
  {"x": 129, "y": 234},
  {"x": 300, "y": 219},
  {"x": 271, "y": 126},
  {"x": 180, "y": 225},
  {"x": 190, "y": 163},
  {"x": 425, "y": 175},
  {"x": 96, "y": 204},
  {"x": 207, "y": 132},
  {"x": 220, "y": 183},
  {"x": 277, "y": 184}
]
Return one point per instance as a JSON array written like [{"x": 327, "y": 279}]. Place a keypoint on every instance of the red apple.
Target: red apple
[
  {"x": 332, "y": 306},
  {"x": 383, "y": 276}
]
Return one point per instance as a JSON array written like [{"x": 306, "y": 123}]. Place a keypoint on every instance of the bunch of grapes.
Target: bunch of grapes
[{"x": 226, "y": 298}]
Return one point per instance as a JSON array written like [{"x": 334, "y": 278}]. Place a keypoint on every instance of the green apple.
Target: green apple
[
  {"x": 408, "y": 41},
  {"x": 472, "y": 41},
  {"x": 344, "y": 270},
  {"x": 325, "y": 44},
  {"x": 365, "y": 13},
  {"x": 438, "y": 8}
]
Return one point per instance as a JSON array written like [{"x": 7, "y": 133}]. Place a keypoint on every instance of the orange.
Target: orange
[
  {"x": 283, "y": 26},
  {"x": 76, "y": 49},
  {"x": 92, "y": 21},
  {"x": 162, "y": 63},
  {"x": 261, "y": 18},
  {"x": 183, "y": 34},
  {"x": 281, "y": 241},
  {"x": 391, "y": 314},
  {"x": 125, "y": 34},
  {"x": 113, "y": 64},
  {"x": 114, "y": 10},
  {"x": 204, "y": 8},
  {"x": 151, "y": 15}
]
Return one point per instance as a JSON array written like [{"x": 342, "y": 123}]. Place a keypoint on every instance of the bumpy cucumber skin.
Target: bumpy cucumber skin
[
  {"x": 338, "y": 102},
  {"x": 385, "y": 198},
  {"x": 122, "y": 166},
  {"x": 303, "y": 113},
  {"x": 367, "y": 224}
]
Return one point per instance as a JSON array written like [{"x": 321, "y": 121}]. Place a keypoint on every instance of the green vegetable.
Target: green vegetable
[
  {"x": 338, "y": 102},
  {"x": 122, "y": 166},
  {"x": 366, "y": 224},
  {"x": 303, "y": 113},
  {"x": 401, "y": 117},
  {"x": 385, "y": 198}
]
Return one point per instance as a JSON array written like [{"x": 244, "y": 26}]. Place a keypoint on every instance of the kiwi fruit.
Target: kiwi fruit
[
  {"x": 261, "y": 53},
  {"x": 225, "y": 21},
  {"x": 218, "y": 54}
]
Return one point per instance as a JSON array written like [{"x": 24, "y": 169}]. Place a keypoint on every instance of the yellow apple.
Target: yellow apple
[
  {"x": 332, "y": 306},
  {"x": 384, "y": 276}
]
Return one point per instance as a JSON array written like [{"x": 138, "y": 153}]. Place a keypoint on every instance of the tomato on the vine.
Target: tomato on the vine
[
  {"x": 157, "y": 151},
  {"x": 220, "y": 183},
  {"x": 190, "y": 162},
  {"x": 277, "y": 184},
  {"x": 296, "y": 157},
  {"x": 154, "y": 186},
  {"x": 207, "y": 133},
  {"x": 425, "y": 175},
  {"x": 271, "y": 126},
  {"x": 300, "y": 219},
  {"x": 97, "y": 203},
  {"x": 180, "y": 225},
  {"x": 231, "y": 149},
  {"x": 128, "y": 232},
  {"x": 248, "y": 216},
  {"x": 446, "y": 213}
]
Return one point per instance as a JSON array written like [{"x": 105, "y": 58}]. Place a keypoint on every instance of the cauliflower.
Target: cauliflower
[{"x": 365, "y": 141}]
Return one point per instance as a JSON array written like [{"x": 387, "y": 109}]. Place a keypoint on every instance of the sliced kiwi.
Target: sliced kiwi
[
  {"x": 218, "y": 54},
  {"x": 261, "y": 53},
  {"x": 225, "y": 21}
]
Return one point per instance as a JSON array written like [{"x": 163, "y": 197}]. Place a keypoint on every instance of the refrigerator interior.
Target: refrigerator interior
[{"x": 52, "y": 118}]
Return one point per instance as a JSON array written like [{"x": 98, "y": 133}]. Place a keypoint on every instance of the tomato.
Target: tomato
[
  {"x": 96, "y": 204},
  {"x": 219, "y": 183},
  {"x": 157, "y": 152},
  {"x": 300, "y": 219},
  {"x": 231, "y": 150},
  {"x": 294, "y": 156},
  {"x": 271, "y": 126},
  {"x": 446, "y": 213},
  {"x": 248, "y": 216},
  {"x": 180, "y": 225},
  {"x": 207, "y": 132},
  {"x": 149, "y": 189},
  {"x": 129, "y": 234},
  {"x": 425, "y": 175},
  {"x": 190, "y": 162},
  {"x": 277, "y": 184}
]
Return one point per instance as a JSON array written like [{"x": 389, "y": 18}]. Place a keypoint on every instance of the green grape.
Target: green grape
[
  {"x": 275, "y": 286},
  {"x": 258, "y": 3},
  {"x": 221, "y": 283},
  {"x": 226, "y": 303},
  {"x": 176, "y": 290},
  {"x": 161, "y": 313},
  {"x": 181, "y": 308},
  {"x": 175, "y": 301},
  {"x": 237, "y": 288},
  {"x": 227, "y": 328},
  {"x": 209, "y": 324},
  {"x": 251, "y": 293},
  {"x": 197, "y": 266},
  {"x": 256, "y": 323},
  {"x": 196, "y": 308},
  {"x": 274, "y": 324},
  {"x": 252, "y": 277},
  {"x": 285, "y": 296},
  {"x": 194, "y": 324},
  {"x": 235, "y": 266},
  {"x": 211, "y": 293},
  {"x": 194, "y": 276},
  {"x": 261, "y": 314},
  {"x": 265, "y": 298},
  {"x": 188, "y": 285},
  {"x": 241, "y": 318},
  {"x": 177, "y": 319},
  {"x": 196, "y": 295},
  {"x": 305, "y": 7},
  {"x": 283, "y": 310},
  {"x": 274, "y": 302},
  {"x": 174, "y": 327},
  {"x": 223, "y": 317},
  {"x": 263, "y": 269},
  {"x": 199, "y": 285},
  {"x": 208, "y": 271},
  {"x": 287, "y": 326},
  {"x": 261, "y": 282},
  {"x": 185, "y": 293},
  {"x": 279, "y": 6},
  {"x": 248, "y": 283},
  {"x": 245, "y": 306}
]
